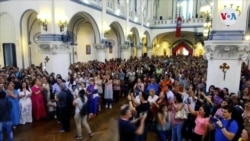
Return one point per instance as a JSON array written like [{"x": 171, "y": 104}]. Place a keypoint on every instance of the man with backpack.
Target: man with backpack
[
  {"x": 225, "y": 127},
  {"x": 63, "y": 102}
]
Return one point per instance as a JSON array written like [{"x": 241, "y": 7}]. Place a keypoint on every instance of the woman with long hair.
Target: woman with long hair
[
  {"x": 93, "y": 97},
  {"x": 38, "y": 105},
  {"x": 13, "y": 97},
  {"x": 177, "y": 124},
  {"x": 201, "y": 122},
  {"x": 108, "y": 93},
  {"x": 245, "y": 135},
  {"x": 163, "y": 122},
  {"x": 25, "y": 104},
  {"x": 116, "y": 88},
  {"x": 99, "y": 83},
  {"x": 81, "y": 118}
]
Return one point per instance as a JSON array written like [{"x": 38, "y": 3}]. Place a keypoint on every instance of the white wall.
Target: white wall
[
  {"x": 7, "y": 35},
  {"x": 241, "y": 21},
  {"x": 58, "y": 63},
  {"x": 112, "y": 38},
  {"x": 163, "y": 11},
  {"x": 215, "y": 74}
]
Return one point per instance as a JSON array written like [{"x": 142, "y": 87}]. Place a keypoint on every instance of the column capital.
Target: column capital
[
  {"x": 138, "y": 47},
  {"x": 54, "y": 47},
  {"x": 99, "y": 46},
  {"x": 124, "y": 47},
  {"x": 149, "y": 47},
  {"x": 226, "y": 50}
]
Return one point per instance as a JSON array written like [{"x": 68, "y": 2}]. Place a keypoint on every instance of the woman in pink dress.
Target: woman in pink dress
[{"x": 38, "y": 106}]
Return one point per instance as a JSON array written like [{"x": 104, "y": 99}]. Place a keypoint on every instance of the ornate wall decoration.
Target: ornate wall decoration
[{"x": 227, "y": 50}]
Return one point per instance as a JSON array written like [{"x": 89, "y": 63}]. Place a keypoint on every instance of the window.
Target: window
[{"x": 187, "y": 9}]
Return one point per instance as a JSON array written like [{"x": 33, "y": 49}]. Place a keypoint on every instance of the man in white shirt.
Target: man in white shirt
[
  {"x": 189, "y": 97},
  {"x": 152, "y": 96},
  {"x": 169, "y": 94},
  {"x": 189, "y": 124}
]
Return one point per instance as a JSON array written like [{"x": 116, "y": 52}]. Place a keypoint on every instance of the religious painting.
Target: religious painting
[{"x": 88, "y": 49}]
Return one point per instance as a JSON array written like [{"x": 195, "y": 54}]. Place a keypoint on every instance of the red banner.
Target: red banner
[{"x": 178, "y": 27}]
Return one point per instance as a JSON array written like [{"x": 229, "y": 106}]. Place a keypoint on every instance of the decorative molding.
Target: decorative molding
[
  {"x": 49, "y": 37},
  {"x": 99, "y": 46},
  {"x": 226, "y": 35},
  {"x": 124, "y": 46},
  {"x": 226, "y": 50},
  {"x": 54, "y": 48}
]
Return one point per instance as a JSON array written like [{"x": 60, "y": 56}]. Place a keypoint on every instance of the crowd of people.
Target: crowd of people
[{"x": 166, "y": 95}]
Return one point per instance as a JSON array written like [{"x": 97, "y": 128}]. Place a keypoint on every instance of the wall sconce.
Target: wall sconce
[
  {"x": 43, "y": 21},
  {"x": 62, "y": 24},
  {"x": 224, "y": 67}
]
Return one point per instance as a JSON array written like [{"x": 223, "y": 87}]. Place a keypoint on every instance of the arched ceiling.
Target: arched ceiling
[{"x": 171, "y": 38}]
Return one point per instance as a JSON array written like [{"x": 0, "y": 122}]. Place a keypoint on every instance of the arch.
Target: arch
[
  {"x": 117, "y": 29},
  {"x": 79, "y": 17},
  {"x": 136, "y": 35},
  {"x": 187, "y": 42},
  {"x": 247, "y": 30},
  {"x": 116, "y": 26},
  {"x": 24, "y": 24},
  {"x": 148, "y": 38},
  {"x": 182, "y": 44}
]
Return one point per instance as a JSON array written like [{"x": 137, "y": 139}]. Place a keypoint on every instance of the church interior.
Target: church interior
[{"x": 119, "y": 42}]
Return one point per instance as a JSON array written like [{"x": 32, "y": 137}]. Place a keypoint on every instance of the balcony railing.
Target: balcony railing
[{"x": 195, "y": 21}]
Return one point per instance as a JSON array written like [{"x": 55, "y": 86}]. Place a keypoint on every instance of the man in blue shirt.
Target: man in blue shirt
[
  {"x": 63, "y": 111},
  {"x": 153, "y": 85},
  {"x": 225, "y": 127},
  {"x": 127, "y": 130}
]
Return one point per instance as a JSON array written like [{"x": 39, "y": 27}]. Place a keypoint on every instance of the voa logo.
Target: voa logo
[{"x": 228, "y": 16}]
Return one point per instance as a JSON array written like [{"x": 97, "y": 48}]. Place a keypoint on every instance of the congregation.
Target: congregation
[{"x": 166, "y": 95}]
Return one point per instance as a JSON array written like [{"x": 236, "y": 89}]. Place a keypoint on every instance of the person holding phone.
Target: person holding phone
[
  {"x": 226, "y": 127},
  {"x": 201, "y": 122},
  {"x": 127, "y": 130}
]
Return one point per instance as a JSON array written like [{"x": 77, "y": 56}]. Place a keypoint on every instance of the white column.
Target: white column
[
  {"x": 101, "y": 54},
  {"x": 215, "y": 75},
  {"x": 58, "y": 63},
  {"x": 125, "y": 52},
  {"x": 149, "y": 53},
  {"x": 138, "y": 52}
]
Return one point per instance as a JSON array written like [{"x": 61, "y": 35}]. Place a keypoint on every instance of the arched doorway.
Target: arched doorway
[
  {"x": 116, "y": 37},
  {"x": 182, "y": 48},
  {"x": 84, "y": 32},
  {"x": 30, "y": 29},
  {"x": 135, "y": 41}
]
